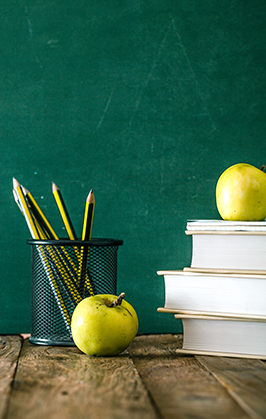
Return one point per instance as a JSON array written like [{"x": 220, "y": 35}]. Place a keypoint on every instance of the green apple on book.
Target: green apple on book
[
  {"x": 241, "y": 193},
  {"x": 104, "y": 325}
]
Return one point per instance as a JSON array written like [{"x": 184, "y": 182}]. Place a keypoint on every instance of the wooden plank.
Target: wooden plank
[
  {"x": 10, "y": 347},
  {"x": 245, "y": 380},
  {"x": 54, "y": 382},
  {"x": 179, "y": 385}
]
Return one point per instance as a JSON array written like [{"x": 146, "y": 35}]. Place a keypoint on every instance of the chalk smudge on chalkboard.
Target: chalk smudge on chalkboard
[
  {"x": 193, "y": 76},
  {"x": 149, "y": 76},
  {"x": 105, "y": 110},
  {"x": 28, "y": 21}
]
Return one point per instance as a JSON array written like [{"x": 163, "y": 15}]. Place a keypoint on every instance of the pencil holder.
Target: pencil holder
[{"x": 63, "y": 273}]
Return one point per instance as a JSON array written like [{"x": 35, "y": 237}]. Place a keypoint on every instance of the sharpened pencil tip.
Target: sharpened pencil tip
[
  {"x": 15, "y": 183},
  {"x": 90, "y": 197},
  {"x": 54, "y": 187}
]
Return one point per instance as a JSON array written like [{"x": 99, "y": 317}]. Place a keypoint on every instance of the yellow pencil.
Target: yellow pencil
[
  {"x": 65, "y": 273},
  {"x": 35, "y": 235},
  {"x": 54, "y": 285},
  {"x": 86, "y": 235},
  {"x": 66, "y": 268},
  {"x": 40, "y": 233},
  {"x": 25, "y": 209},
  {"x": 68, "y": 225},
  {"x": 63, "y": 212},
  {"x": 39, "y": 215},
  {"x": 17, "y": 201},
  {"x": 43, "y": 224},
  {"x": 61, "y": 264},
  {"x": 88, "y": 217}
]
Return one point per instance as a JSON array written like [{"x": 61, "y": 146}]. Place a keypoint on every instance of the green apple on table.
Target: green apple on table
[
  {"x": 104, "y": 325},
  {"x": 241, "y": 193}
]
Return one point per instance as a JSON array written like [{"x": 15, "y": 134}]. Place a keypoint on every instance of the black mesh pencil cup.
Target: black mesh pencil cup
[{"x": 63, "y": 273}]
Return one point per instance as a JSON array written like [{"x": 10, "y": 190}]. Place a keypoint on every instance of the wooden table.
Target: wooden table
[{"x": 149, "y": 381}]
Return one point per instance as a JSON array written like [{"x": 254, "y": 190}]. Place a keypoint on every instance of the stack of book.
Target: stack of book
[{"x": 221, "y": 297}]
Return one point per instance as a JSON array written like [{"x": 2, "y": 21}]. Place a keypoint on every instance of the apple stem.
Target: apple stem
[
  {"x": 119, "y": 300},
  {"x": 262, "y": 167}
]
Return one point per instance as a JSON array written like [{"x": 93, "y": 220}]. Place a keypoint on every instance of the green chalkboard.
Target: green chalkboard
[{"x": 146, "y": 102}]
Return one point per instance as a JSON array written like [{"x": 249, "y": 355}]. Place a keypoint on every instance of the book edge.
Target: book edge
[
  {"x": 220, "y": 318},
  {"x": 224, "y": 271},
  {"x": 226, "y": 232},
  {"x": 228, "y": 273},
  {"x": 221, "y": 221},
  {"x": 232, "y": 316},
  {"x": 221, "y": 354}
]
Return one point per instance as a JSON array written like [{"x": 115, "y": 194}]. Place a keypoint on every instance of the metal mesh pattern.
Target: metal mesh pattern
[{"x": 63, "y": 273}]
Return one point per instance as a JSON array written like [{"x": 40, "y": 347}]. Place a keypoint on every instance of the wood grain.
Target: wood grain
[
  {"x": 10, "y": 347},
  {"x": 179, "y": 385},
  {"x": 149, "y": 381},
  {"x": 245, "y": 380},
  {"x": 59, "y": 382}
]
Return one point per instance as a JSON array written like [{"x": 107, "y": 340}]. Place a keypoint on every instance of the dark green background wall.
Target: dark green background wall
[{"x": 146, "y": 102}]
